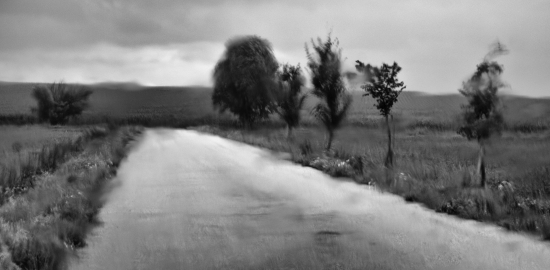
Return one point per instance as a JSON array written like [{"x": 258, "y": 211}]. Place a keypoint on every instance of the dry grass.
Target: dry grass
[
  {"x": 18, "y": 141},
  {"x": 42, "y": 226}
]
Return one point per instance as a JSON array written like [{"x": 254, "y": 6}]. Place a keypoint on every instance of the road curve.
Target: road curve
[{"x": 193, "y": 201}]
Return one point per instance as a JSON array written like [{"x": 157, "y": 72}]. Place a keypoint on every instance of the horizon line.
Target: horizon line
[{"x": 138, "y": 85}]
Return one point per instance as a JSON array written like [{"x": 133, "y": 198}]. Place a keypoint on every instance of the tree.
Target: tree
[
  {"x": 59, "y": 102},
  {"x": 244, "y": 79},
  {"x": 290, "y": 99},
  {"x": 482, "y": 115},
  {"x": 382, "y": 84},
  {"x": 334, "y": 101}
]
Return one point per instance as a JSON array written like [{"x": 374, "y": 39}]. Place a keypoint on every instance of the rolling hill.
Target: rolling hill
[{"x": 127, "y": 99}]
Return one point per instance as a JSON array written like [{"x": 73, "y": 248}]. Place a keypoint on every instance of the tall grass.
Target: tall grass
[
  {"x": 20, "y": 175},
  {"x": 41, "y": 227}
]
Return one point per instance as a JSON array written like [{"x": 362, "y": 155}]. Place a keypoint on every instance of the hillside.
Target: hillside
[{"x": 125, "y": 99}]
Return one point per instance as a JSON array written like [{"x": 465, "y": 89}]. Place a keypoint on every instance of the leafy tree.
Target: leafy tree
[
  {"x": 244, "y": 79},
  {"x": 290, "y": 99},
  {"x": 326, "y": 76},
  {"x": 382, "y": 84},
  {"x": 482, "y": 115},
  {"x": 59, "y": 102}
]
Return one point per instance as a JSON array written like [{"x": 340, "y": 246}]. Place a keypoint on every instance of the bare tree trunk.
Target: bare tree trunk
[
  {"x": 389, "y": 156},
  {"x": 481, "y": 164},
  {"x": 289, "y": 135},
  {"x": 393, "y": 139},
  {"x": 330, "y": 137}
]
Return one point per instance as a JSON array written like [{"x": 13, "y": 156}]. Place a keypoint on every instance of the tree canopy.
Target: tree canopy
[
  {"x": 290, "y": 99},
  {"x": 244, "y": 79},
  {"x": 482, "y": 115},
  {"x": 325, "y": 66},
  {"x": 382, "y": 84}
]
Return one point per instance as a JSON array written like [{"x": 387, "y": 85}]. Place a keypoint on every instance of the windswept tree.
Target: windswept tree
[
  {"x": 245, "y": 79},
  {"x": 382, "y": 84},
  {"x": 59, "y": 102},
  {"x": 482, "y": 115},
  {"x": 325, "y": 66},
  {"x": 290, "y": 98}
]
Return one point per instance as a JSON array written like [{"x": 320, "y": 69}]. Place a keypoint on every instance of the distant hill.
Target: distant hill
[
  {"x": 128, "y": 86},
  {"x": 117, "y": 99},
  {"x": 133, "y": 99}
]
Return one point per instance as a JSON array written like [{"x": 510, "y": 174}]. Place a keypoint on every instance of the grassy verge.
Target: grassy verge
[
  {"x": 58, "y": 200},
  {"x": 16, "y": 142},
  {"x": 436, "y": 169}
]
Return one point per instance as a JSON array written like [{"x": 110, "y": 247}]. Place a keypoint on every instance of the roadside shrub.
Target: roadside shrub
[
  {"x": 333, "y": 166},
  {"x": 475, "y": 203}
]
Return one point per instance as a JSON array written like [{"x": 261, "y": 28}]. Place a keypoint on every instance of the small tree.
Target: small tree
[
  {"x": 244, "y": 79},
  {"x": 382, "y": 84},
  {"x": 482, "y": 115},
  {"x": 290, "y": 99},
  {"x": 59, "y": 102},
  {"x": 326, "y": 77}
]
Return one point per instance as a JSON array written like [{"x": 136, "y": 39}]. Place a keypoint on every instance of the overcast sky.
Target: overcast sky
[{"x": 168, "y": 42}]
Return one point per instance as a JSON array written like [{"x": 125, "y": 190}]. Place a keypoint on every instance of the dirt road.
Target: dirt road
[{"x": 192, "y": 201}]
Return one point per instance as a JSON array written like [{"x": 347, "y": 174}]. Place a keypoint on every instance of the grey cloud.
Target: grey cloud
[
  {"x": 135, "y": 26},
  {"x": 434, "y": 41}
]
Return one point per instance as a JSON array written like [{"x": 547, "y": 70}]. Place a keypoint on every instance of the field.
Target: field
[
  {"x": 19, "y": 140},
  {"x": 434, "y": 165}
]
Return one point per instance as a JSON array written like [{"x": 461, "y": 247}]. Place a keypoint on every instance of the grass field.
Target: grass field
[{"x": 19, "y": 140}]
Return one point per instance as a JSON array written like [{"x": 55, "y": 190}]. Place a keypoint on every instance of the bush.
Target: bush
[{"x": 59, "y": 102}]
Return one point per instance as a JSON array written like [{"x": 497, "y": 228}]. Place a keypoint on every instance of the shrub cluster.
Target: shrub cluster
[{"x": 59, "y": 102}]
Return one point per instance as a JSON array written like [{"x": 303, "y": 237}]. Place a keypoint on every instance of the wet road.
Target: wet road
[{"x": 193, "y": 201}]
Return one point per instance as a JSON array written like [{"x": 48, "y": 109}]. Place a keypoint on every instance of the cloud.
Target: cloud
[
  {"x": 438, "y": 43},
  {"x": 176, "y": 64}
]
